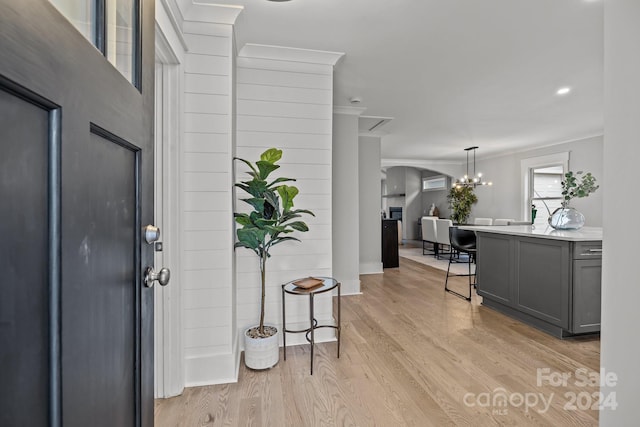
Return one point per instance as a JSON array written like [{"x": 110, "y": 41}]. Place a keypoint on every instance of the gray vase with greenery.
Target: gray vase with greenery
[{"x": 566, "y": 217}]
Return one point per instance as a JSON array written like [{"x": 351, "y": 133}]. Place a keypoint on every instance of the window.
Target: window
[
  {"x": 542, "y": 185},
  {"x": 82, "y": 14},
  {"x": 112, "y": 26},
  {"x": 546, "y": 191},
  {"x": 433, "y": 183},
  {"x": 121, "y": 35}
]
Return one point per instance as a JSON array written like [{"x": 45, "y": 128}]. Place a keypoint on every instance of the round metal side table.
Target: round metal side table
[{"x": 328, "y": 285}]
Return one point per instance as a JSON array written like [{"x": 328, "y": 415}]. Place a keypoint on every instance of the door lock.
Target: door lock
[
  {"x": 162, "y": 276},
  {"x": 151, "y": 233}
]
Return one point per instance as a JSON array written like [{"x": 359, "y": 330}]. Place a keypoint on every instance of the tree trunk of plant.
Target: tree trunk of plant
[{"x": 263, "y": 265}]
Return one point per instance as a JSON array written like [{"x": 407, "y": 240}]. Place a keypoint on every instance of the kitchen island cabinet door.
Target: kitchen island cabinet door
[
  {"x": 587, "y": 274},
  {"x": 494, "y": 271}
]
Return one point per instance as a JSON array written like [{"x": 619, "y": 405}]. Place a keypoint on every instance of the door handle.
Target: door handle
[{"x": 162, "y": 276}]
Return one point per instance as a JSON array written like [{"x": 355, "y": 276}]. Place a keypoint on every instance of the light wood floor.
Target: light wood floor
[{"x": 412, "y": 355}]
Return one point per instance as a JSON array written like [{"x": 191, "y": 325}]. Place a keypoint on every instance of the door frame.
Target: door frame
[{"x": 169, "y": 358}]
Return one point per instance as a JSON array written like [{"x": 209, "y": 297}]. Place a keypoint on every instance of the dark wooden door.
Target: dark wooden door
[{"x": 76, "y": 156}]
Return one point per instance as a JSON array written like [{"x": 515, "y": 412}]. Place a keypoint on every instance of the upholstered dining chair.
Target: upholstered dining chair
[
  {"x": 483, "y": 221},
  {"x": 519, "y": 223},
  {"x": 442, "y": 235},
  {"x": 502, "y": 221},
  {"x": 464, "y": 242},
  {"x": 428, "y": 225}
]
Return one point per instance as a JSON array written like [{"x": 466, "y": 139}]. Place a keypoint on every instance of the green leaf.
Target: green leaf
[
  {"x": 279, "y": 180},
  {"x": 281, "y": 239},
  {"x": 272, "y": 198},
  {"x": 299, "y": 211},
  {"x": 243, "y": 245},
  {"x": 258, "y": 204},
  {"x": 299, "y": 226},
  {"x": 242, "y": 186},
  {"x": 275, "y": 230},
  {"x": 287, "y": 193},
  {"x": 248, "y": 163},
  {"x": 272, "y": 155},
  {"x": 295, "y": 213},
  {"x": 255, "y": 187},
  {"x": 252, "y": 238},
  {"x": 265, "y": 168},
  {"x": 572, "y": 187},
  {"x": 288, "y": 216},
  {"x": 255, "y": 216},
  {"x": 265, "y": 223},
  {"x": 242, "y": 219}
]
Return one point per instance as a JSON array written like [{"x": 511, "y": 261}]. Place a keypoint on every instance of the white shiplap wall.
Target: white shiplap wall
[
  {"x": 210, "y": 342},
  {"x": 287, "y": 104}
]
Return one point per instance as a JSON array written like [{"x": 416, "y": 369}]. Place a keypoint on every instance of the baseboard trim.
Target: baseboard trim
[
  {"x": 350, "y": 287},
  {"x": 371, "y": 268},
  {"x": 213, "y": 369}
]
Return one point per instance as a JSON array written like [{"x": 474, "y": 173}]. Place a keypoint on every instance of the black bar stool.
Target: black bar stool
[{"x": 463, "y": 242}]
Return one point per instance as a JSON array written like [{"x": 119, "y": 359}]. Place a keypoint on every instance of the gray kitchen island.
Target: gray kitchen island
[{"x": 547, "y": 278}]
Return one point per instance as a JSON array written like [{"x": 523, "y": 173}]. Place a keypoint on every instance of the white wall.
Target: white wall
[
  {"x": 287, "y": 104},
  {"x": 370, "y": 204},
  {"x": 346, "y": 231},
  {"x": 210, "y": 344},
  {"x": 284, "y": 103},
  {"x": 620, "y": 345},
  {"x": 406, "y": 181},
  {"x": 504, "y": 199},
  {"x": 394, "y": 184},
  {"x": 412, "y": 203},
  {"x": 437, "y": 197}
]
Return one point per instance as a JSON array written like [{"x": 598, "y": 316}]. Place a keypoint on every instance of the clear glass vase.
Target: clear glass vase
[{"x": 566, "y": 219}]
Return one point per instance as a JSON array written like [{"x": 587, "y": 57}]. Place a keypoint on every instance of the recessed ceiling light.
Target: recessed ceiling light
[
  {"x": 563, "y": 91},
  {"x": 278, "y": 0}
]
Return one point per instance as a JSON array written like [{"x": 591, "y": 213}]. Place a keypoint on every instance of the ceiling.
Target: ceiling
[{"x": 452, "y": 73}]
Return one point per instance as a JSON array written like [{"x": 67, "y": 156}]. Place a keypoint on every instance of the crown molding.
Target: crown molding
[
  {"x": 169, "y": 26},
  {"x": 205, "y": 11},
  {"x": 375, "y": 139},
  {"x": 418, "y": 162},
  {"x": 351, "y": 111},
  {"x": 375, "y": 134},
  {"x": 292, "y": 54},
  {"x": 441, "y": 166}
]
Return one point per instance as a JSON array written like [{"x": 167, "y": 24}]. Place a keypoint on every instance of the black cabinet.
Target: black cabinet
[{"x": 390, "y": 243}]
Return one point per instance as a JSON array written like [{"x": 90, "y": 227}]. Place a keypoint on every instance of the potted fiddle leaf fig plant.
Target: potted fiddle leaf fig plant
[{"x": 270, "y": 222}]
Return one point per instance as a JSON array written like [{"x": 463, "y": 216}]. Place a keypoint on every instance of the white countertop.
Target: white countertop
[{"x": 543, "y": 232}]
